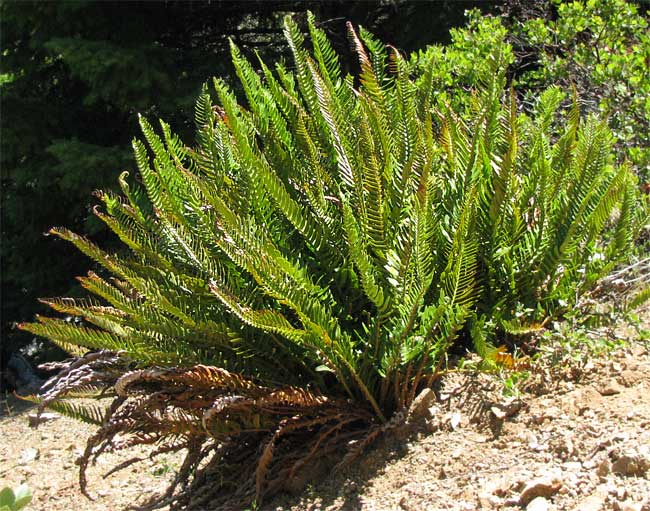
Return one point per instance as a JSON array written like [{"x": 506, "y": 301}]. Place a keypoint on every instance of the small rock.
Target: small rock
[
  {"x": 28, "y": 455},
  {"x": 629, "y": 506},
  {"x": 454, "y": 420},
  {"x": 498, "y": 412},
  {"x": 621, "y": 493},
  {"x": 631, "y": 464},
  {"x": 630, "y": 377},
  {"x": 36, "y": 419},
  {"x": 615, "y": 367},
  {"x": 465, "y": 505},
  {"x": 507, "y": 408},
  {"x": 537, "y": 504},
  {"x": 611, "y": 388},
  {"x": 605, "y": 468},
  {"x": 405, "y": 505},
  {"x": 572, "y": 466},
  {"x": 638, "y": 351},
  {"x": 621, "y": 436},
  {"x": 419, "y": 409},
  {"x": 595, "y": 502},
  {"x": 630, "y": 364},
  {"x": 531, "y": 440},
  {"x": 500, "y": 486},
  {"x": 586, "y": 399},
  {"x": 545, "y": 487},
  {"x": 588, "y": 464},
  {"x": 552, "y": 412},
  {"x": 485, "y": 500},
  {"x": 564, "y": 446}
]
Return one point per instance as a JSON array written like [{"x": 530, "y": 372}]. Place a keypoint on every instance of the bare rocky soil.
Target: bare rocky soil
[
  {"x": 579, "y": 446},
  {"x": 573, "y": 438}
]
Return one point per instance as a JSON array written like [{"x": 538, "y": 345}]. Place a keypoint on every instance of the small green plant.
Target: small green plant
[
  {"x": 16, "y": 498},
  {"x": 512, "y": 381},
  {"x": 162, "y": 469}
]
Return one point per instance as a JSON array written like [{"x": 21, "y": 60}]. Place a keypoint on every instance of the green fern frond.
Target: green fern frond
[{"x": 88, "y": 413}]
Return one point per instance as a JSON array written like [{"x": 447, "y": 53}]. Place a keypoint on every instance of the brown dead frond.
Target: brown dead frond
[{"x": 243, "y": 441}]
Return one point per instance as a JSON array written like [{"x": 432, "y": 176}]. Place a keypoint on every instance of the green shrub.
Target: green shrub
[
  {"x": 301, "y": 273},
  {"x": 602, "y": 48}
]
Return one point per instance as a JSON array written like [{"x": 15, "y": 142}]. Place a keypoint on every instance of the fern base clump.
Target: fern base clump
[{"x": 296, "y": 278}]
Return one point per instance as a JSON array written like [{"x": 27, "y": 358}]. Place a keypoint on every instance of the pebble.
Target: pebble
[
  {"x": 612, "y": 387},
  {"x": 628, "y": 506},
  {"x": 35, "y": 419},
  {"x": 621, "y": 493},
  {"x": 487, "y": 500},
  {"x": 595, "y": 502},
  {"x": 537, "y": 504},
  {"x": 586, "y": 399},
  {"x": 572, "y": 466},
  {"x": 605, "y": 468},
  {"x": 615, "y": 367},
  {"x": 544, "y": 487},
  {"x": 631, "y": 377},
  {"x": 28, "y": 455},
  {"x": 405, "y": 505},
  {"x": 638, "y": 351},
  {"x": 419, "y": 409},
  {"x": 589, "y": 464},
  {"x": 631, "y": 464},
  {"x": 454, "y": 420}
]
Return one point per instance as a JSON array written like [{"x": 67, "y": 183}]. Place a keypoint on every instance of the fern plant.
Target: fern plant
[{"x": 298, "y": 275}]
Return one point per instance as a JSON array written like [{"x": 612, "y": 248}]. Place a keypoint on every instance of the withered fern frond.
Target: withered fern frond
[{"x": 220, "y": 418}]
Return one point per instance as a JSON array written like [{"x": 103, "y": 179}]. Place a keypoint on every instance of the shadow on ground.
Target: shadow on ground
[{"x": 10, "y": 406}]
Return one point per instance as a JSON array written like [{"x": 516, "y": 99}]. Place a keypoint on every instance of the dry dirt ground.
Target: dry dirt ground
[{"x": 574, "y": 438}]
